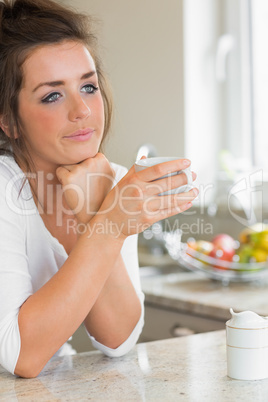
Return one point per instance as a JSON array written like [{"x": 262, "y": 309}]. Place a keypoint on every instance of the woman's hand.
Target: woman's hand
[
  {"x": 134, "y": 204},
  {"x": 86, "y": 185}
]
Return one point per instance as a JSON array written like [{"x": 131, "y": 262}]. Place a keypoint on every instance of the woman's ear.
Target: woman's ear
[
  {"x": 3, "y": 125},
  {"x": 5, "y": 128}
]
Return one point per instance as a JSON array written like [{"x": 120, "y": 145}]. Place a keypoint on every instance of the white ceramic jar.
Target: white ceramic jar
[{"x": 247, "y": 346}]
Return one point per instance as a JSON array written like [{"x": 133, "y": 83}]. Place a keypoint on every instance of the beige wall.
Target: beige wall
[{"x": 142, "y": 50}]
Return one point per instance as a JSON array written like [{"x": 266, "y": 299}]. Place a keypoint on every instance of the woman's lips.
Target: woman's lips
[{"x": 80, "y": 135}]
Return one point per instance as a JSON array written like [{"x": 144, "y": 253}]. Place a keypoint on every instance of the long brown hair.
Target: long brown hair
[{"x": 24, "y": 25}]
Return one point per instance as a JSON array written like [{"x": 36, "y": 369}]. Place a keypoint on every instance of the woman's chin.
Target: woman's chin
[{"x": 82, "y": 158}]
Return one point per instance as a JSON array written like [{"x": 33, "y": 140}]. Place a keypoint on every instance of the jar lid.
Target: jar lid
[{"x": 247, "y": 319}]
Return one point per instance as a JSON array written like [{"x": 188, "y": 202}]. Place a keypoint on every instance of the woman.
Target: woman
[{"x": 68, "y": 217}]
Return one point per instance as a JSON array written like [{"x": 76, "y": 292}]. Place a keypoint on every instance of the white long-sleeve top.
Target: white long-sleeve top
[{"x": 30, "y": 256}]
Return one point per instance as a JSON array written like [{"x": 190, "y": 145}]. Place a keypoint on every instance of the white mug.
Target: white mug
[{"x": 148, "y": 162}]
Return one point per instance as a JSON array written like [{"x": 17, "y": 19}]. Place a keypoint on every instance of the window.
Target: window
[
  {"x": 259, "y": 32},
  {"x": 225, "y": 86}
]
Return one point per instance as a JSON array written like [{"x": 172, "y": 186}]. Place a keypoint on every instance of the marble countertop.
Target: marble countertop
[
  {"x": 191, "y": 368},
  {"x": 194, "y": 293}
]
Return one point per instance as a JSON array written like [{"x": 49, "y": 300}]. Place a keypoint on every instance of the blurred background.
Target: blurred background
[{"x": 189, "y": 79}]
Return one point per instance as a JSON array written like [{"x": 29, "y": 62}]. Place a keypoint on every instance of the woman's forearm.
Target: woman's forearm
[
  {"x": 52, "y": 314},
  {"x": 117, "y": 309}
]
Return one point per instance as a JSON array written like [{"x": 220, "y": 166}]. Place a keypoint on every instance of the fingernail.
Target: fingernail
[
  {"x": 186, "y": 162},
  {"x": 195, "y": 191}
]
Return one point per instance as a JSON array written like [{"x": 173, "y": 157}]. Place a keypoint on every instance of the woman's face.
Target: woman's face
[{"x": 60, "y": 105}]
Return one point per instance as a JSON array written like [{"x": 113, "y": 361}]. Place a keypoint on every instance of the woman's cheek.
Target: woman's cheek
[
  {"x": 48, "y": 122},
  {"x": 98, "y": 106}
]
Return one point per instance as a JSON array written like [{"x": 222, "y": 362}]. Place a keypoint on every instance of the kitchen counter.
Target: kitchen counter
[
  {"x": 193, "y": 293},
  {"x": 191, "y": 368}
]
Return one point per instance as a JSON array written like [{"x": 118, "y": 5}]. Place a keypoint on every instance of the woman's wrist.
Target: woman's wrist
[
  {"x": 101, "y": 225},
  {"x": 83, "y": 220}
]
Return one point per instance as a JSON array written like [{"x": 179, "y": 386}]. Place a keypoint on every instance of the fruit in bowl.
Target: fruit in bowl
[
  {"x": 254, "y": 244},
  {"x": 221, "y": 248},
  {"x": 224, "y": 247},
  {"x": 255, "y": 230},
  {"x": 225, "y": 257},
  {"x": 248, "y": 254},
  {"x": 197, "y": 249},
  {"x": 201, "y": 246},
  {"x": 224, "y": 250}
]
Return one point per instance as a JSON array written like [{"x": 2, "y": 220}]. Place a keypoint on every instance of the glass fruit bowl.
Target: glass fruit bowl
[{"x": 214, "y": 268}]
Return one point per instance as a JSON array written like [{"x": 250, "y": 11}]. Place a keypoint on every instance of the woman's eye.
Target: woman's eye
[
  {"x": 51, "y": 98},
  {"x": 89, "y": 88}
]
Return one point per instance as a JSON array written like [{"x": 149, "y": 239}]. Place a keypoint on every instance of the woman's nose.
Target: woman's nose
[{"x": 78, "y": 109}]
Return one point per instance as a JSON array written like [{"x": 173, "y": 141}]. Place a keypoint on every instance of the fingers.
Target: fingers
[
  {"x": 62, "y": 174},
  {"x": 146, "y": 195},
  {"x": 162, "y": 169},
  {"x": 166, "y": 213},
  {"x": 169, "y": 202},
  {"x": 94, "y": 165},
  {"x": 169, "y": 183},
  {"x": 70, "y": 168},
  {"x": 86, "y": 163}
]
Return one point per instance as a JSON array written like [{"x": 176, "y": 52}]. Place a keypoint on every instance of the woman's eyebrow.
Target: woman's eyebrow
[
  {"x": 88, "y": 75},
  {"x": 57, "y": 83}
]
